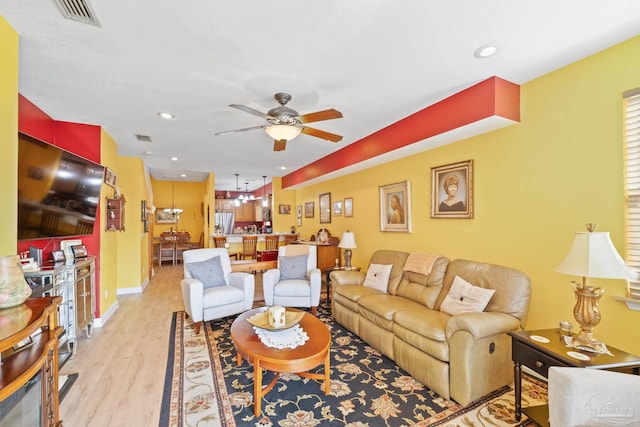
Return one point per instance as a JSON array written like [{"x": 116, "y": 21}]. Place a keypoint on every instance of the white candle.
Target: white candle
[{"x": 276, "y": 316}]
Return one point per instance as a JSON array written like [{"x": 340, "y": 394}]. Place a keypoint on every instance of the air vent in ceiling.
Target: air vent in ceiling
[
  {"x": 78, "y": 10},
  {"x": 143, "y": 138}
]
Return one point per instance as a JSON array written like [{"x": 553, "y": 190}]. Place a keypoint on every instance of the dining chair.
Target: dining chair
[
  {"x": 167, "y": 249},
  {"x": 183, "y": 243},
  {"x": 249, "y": 247},
  {"x": 271, "y": 242},
  {"x": 49, "y": 223},
  {"x": 219, "y": 241},
  {"x": 84, "y": 227}
]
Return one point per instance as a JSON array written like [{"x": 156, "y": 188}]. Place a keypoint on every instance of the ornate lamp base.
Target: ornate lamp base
[
  {"x": 588, "y": 316},
  {"x": 347, "y": 259}
]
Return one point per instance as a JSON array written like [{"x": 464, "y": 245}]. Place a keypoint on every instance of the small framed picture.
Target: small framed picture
[
  {"x": 299, "y": 222},
  {"x": 284, "y": 209},
  {"x": 163, "y": 217},
  {"x": 22, "y": 344},
  {"x": 110, "y": 178},
  {"x": 337, "y": 208},
  {"x": 143, "y": 210},
  {"x": 299, "y": 211},
  {"x": 348, "y": 207},
  {"x": 79, "y": 251},
  {"x": 452, "y": 190},
  {"x": 58, "y": 256},
  {"x": 395, "y": 207},
  {"x": 308, "y": 210}
]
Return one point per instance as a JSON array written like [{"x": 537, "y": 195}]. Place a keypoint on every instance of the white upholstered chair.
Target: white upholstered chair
[
  {"x": 292, "y": 285},
  {"x": 592, "y": 397},
  {"x": 232, "y": 295}
]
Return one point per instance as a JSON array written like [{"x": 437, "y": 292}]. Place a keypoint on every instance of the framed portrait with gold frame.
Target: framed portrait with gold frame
[
  {"x": 395, "y": 207},
  {"x": 452, "y": 190},
  {"x": 324, "y": 208}
]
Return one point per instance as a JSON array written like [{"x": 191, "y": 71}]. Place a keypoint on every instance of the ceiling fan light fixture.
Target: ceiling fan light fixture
[{"x": 283, "y": 132}]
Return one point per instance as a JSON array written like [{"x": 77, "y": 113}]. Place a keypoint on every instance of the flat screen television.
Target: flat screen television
[{"x": 58, "y": 191}]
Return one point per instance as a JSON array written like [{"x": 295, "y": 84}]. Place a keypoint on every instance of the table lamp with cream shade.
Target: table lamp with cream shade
[
  {"x": 347, "y": 243},
  {"x": 592, "y": 255}
]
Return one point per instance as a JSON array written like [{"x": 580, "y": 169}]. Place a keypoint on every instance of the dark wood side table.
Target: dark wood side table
[{"x": 538, "y": 350}]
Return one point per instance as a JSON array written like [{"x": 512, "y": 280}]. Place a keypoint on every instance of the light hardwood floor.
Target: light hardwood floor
[{"x": 122, "y": 367}]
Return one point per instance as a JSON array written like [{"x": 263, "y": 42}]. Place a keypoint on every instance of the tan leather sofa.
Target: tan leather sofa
[{"x": 461, "y": 357}]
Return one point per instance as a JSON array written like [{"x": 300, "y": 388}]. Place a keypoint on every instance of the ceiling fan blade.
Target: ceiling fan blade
[
  {"x": 240, "y": 130},
  {"x": 320, "y": 115},
  {"x": 279, "y": 144},
  {"x": 321, "y": 134},
  {"x": 251, "y": 111}
]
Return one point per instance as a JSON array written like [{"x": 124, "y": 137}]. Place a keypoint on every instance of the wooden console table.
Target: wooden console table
[{"x": 29, "y": 346}]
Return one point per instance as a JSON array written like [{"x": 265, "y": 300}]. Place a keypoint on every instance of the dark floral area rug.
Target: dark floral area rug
[{"x": 367, "y": 389}]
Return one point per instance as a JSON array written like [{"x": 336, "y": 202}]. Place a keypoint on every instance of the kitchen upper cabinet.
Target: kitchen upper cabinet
[
  {"x": 245, "y": 212},
  {"x": 258, "y": 211},
  {"x": 224, "y": 205}
]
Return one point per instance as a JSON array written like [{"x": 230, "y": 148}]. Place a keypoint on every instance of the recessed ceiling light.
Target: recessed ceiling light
[
  {"x": 148, "y": 153},
  {"x": 284, "y": 168},
  {"x": 175, "y": 159},
  {"x": 485, "y": 51},
  {"x": 165, "y": 115},
  {"x": 183, "y": 175}
]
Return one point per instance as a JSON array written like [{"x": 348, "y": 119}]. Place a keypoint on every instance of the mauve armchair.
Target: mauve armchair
[{"x": 232, "y": 295}]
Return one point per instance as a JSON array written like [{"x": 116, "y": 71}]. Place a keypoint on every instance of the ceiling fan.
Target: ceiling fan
[{"x": 284, "y": 124}]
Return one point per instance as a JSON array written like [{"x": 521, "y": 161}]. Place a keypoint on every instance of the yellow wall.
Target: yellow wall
[
  {"x": 119, "y": 248},
  {"x": 8, "y": 137},
  {"x": 188, "y": 196},
  {"x": 282, "y": 223},
  {"x": 536, "y": 184}
]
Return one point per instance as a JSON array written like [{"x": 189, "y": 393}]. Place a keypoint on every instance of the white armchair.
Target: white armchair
[
  {"x": 210, "y": 290},
  {"x": 591, "y": 397},
  {"x": 293, "y": 284}
]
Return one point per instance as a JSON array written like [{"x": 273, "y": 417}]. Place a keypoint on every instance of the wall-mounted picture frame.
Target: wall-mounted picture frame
[
  {"x": 324, "y": 208},
  {"x": 337, "y": 208},
  {"x": 163, "y": 217},
  {"x": 348, "y": 207},
  {"x": 299, "y": 222},
  {"x": 143, "y": 210},
  {"x": 299, "y": 211},
  {"x": 452, "y": 190},
  {"x": 395, "y": 207},
  {"x": 308, "y": 210},
  {"x": 284, "y": 209},
  {"x": 110, "y": 178}
]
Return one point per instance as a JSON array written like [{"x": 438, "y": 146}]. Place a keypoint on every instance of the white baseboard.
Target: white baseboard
[
  {"x": 135, "y": 290},
  {"x": 100, "y": 321}
]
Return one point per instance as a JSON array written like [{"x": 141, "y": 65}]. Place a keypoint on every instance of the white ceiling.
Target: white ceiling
[{"x": 376, "y": 61}]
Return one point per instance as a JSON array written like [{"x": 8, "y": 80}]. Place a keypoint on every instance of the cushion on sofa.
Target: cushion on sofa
[
  {"x": 422, "y": 288},
  {"x": 293, "y": 267},
  {"x": 378, "y": 276},
  {"x": 395, "y": 258},
  {"x": 513, "y": 287},
  {"x": 209, "y": 272},
  {"x": 463, "y": 297}
]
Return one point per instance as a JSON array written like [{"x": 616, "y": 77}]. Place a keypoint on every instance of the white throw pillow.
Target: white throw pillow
[
  {"x": 378, "y": 276},
  {"x": 463, "y": 297}
]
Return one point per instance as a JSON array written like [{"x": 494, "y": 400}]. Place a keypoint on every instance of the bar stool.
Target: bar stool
[
  {"x": 219, "y": 241},
  {"x": 249, "y": 247},
  {"x": 271, "y": 242},
  {"x": 289, "y": 239}
]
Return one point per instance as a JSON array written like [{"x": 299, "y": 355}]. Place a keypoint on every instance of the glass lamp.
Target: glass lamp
[
  {"x": 592, "y": 255},
  {"x": 347, "y": 243},
  {"x": 280, "y": 132}
]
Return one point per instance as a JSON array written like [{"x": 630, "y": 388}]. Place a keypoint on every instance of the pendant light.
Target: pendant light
[
  {"x": 236, "y": 202},
  {"x": 265, "y": 202},
  {"x": 173, "y": 210},
  {"x": 245, "y": 199}
]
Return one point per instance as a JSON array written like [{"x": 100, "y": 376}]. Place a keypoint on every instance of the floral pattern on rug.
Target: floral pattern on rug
[{"x": 367, "y": 389}]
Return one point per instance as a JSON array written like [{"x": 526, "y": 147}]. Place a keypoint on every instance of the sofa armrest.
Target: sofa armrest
[
  {"x": 347, "y": 277},
  {"x": 192, "y": 296},
  {"x": 269, "y": 280},
  {"x": 482, "y": 325},
  {"x": 246, "y": 283}
]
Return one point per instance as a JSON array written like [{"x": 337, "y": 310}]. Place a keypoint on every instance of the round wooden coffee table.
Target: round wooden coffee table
[{"x": 293, "y": 361}]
